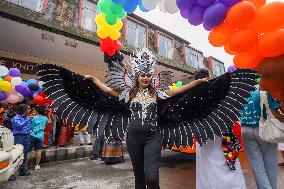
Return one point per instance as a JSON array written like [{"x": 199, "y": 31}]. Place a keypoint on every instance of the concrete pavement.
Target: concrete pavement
[{"x": 177, "y": 172}]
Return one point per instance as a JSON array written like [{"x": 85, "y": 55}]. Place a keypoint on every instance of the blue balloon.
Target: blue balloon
[
  {"x": 141, "y": 6},
  {"x": 117, "y": 1},
  {"x": 129, "y": 6},
  {"x": 31, "y": 81}
]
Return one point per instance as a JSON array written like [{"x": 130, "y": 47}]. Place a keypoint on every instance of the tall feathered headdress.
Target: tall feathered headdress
[
  {"x": 144, "y": 62},
  {"x": 122, "y": 80}
]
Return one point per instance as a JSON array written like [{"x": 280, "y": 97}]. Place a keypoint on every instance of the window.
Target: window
[
  {"x": 35, "y": 5},
  {"x": 88, "y": 17},
  {"x": 136, "y": 34},
  {"x": 165, "y": 45},
  {"x": 218, "y": 67},
  {"x": 194, "y": 58}
]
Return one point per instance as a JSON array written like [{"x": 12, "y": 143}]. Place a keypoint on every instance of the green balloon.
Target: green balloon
[
  {"x": 115, "y": 8},
  {"x": 122, "y": 15},
  {"x": 179, "y": 84},
  {"x": 100, "y": 6},
  {"x": 103, "y": 6},
  {"x": 111, "y": 19}
]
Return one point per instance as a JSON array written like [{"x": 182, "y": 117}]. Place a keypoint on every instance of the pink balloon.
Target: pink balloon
[
  {"x": 21, "y": 97},
  {"x": 12, "y": 98},
  {"x": 12, "y": 92}
]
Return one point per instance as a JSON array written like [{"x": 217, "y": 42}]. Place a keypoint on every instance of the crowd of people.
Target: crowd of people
[{"x": 35, "y": 127}]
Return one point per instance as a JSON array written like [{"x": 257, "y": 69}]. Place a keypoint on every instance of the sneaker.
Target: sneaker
[
  {"x": 37, "y": 167},
  {"x": 81, "y": 144},
  {"x": 90, "y": 143},
  {"x": 26, "y": 173}
]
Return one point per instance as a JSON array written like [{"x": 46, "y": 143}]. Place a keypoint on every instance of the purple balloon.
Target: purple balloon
[
  {"x": 231, "y": 68},
  {"x": 20, "y": 88},
  {"x": 184, "y": 13},
  {"x": 205, "y": 3},
  {"x": 215, "y": 15},
  {"x": 195, "y": 16},
  {"x": 15, "y": 72},
  {"x": 229, "y": 3},
  {"x": 185, "y": 4},
  {"x": 208, "y": 28},
  {"x": 27, "y": 92},
  {"x": 3, "y": 96}
]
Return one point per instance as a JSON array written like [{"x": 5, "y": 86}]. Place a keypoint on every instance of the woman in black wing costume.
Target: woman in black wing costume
[
  {"x": 143, "y": 137},
  {"x": 139, "y": 104}
]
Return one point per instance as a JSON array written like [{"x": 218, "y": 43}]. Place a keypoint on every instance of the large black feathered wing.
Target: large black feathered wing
[
  {"x": 206, "y": 110},
  {"x": 81, "y": 102}
]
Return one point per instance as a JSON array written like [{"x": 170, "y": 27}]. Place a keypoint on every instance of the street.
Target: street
[{"x": 177, "y": 172}]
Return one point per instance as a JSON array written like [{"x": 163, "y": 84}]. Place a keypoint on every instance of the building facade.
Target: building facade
[{"x": 63, "y": 32}]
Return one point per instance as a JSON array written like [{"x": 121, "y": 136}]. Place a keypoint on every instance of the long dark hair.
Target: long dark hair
[
  {"x": 133, "y": 91},
  {"x": 21, "y": 109},
  {"x": 201, "y": 73}
]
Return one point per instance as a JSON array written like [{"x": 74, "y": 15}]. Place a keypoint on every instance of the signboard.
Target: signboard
[{"x": 23, "y": 66}]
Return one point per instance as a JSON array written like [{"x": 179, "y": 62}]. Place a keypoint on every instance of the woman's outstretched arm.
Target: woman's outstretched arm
[
  {"x": 173, "y": 92},
  {"x": 102, "y": 86}
]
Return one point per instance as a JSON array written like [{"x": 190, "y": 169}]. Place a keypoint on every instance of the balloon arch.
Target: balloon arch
[{"x": 251, "y": 30}]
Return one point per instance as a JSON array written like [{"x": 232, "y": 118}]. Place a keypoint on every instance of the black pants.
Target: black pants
[
  {"x": 144, "y": 147},
  {"x": 98, "y": 146}
]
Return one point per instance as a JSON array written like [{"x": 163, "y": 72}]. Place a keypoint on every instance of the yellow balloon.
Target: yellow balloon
[
  {"x": 114, "y": 35},
  {"x": 1, "y": 79},
  {"x": 101, "y": 22},
  {"x": 175, "y": 86},
  {"x": 5, "y": 86},
  {"x": 102, "y": 33}
]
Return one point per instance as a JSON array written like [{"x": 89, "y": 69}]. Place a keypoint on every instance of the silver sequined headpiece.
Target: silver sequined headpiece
[{"x": 144, "y": 62}]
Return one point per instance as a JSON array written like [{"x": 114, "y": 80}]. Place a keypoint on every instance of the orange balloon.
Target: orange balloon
[
  {"x": 269, "y": 17},
  {"x": 271, "y": 44},
  {"x": 240, "y": 15},
  {"x": 229, "y": 50},
  {"x": 257, "y": 3},
  {"x": 219, "y": 36},
  {"x": 243, "y": 40},
  {"x": 248, "y": 59},
  {"x": 8, "y": 78}
]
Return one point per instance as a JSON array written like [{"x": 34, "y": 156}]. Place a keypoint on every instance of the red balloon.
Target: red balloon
[
  {"x": 109, "y": 46},
  {"x": 42, "y": 94},
  {"x": 39, "y": 100}
]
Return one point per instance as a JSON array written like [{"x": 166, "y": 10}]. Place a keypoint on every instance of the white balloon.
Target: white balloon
[
  {"x": 161, "y": 6},
  {"x": 16, "y": 81},
  {"x": 3, "y": 71},
  {"x": 149, "y": 4},
  {"x": 171, "y": 6}
]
